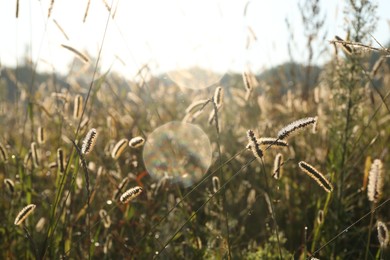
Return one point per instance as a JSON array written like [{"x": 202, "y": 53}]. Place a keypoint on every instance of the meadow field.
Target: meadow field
[{"x": 290, "y": 163}]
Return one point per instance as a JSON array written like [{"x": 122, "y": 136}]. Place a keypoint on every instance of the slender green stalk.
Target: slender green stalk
[
  {"x": 276, "y": 228},
  {"x": 319, "y": 226},
  {"x": 369, "y": 232}
]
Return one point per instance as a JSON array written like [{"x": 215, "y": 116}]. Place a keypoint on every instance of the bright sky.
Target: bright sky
[{"x": 168, "y": 35}]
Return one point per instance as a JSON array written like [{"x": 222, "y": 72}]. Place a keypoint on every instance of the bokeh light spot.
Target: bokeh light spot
[{"x": 180, "y": 151}]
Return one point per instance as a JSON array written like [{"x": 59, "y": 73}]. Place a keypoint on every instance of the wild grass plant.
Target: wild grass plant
[{"x": 293, "y": 176}]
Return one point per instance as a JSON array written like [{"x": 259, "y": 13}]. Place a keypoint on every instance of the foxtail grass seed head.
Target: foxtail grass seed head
[
  {"x": 316, "y": 175},
  {"x": 105, "y": 218},
  {"x": 383, "y": 234},
  {"x": 218, "y": 97},
  {"x": 3, "y": 153},
  {"x": 119, "y": 148},
  {"x": 86, "y": 11},
  {"x": 40, "y": 224},
  {"x": 78, "y": 53},
  {"x": 27, "y": 159},
  {"x": 320, "y": 217},
  {"x": 367, "y": 167},
  {"x": 60, "y": 160},
  {"x": 247, "y": 82},
  {"x": 108, "y": 244},
  {"x": 41, "y": 135},
  {"x": 278, "y": 166},
  {"x": 216, "y": 184},
  {"x": 347, "y": 49},
  {"x": 268, "y": 201},
  {"x": 269, "y": 141},
  {"x": 24, "y": 213},
  {"x": 130, "y": 194},
  {"x": 50, "y": 8},
  {"x": 294, "y": 126},
  {"x": 254, "y": 145},
  {"x": 10, "y": 185},
  {"x": 53, "y": 165},
  {"x": 375, "y": 181},
  {"x": 78, "y": 106},
  {"x": 34, "y": 154},
  {"x": 251, "y": 199},
  {"x": 136, "y": 142},
  {"x": 89, "y": 141},
  {"x": 196, "y": 105}
]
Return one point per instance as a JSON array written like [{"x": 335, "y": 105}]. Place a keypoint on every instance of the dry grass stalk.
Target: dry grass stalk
[
  {"x": 278, "y": 166},
  {"x": 196, "y": 104},
  {"x": 130, "y": 194},
  {"x": 24, "y": 213},
  {"x": 60, "y": 160},
  {"x": 50, "y": 8},
  {"x": 347, "y": 46},
  {"x": 108, "y": 7},
  {"x": 211, "y": 117},
  {"x": 84, "y": 123},
  {"x": 121, "y": 185},
  {"x": 3, "y": 153},
  {"x": 377, "y": 65},
  {"x": 316, "y": 175},
  {"x": 61, "y": 30},
  {"x": 78, "y": 53},
  {"x": 375, "y": 181},
  {"x": 17, "y": 9},
  {"x": 315, "y": 125},
  {"x": 86, "y": 11}
]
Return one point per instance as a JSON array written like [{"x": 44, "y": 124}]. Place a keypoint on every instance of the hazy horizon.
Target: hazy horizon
[{"x": 170, "y": 36}]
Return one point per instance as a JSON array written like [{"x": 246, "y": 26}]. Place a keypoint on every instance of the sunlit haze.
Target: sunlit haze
[{"x": 167, "y": 35}]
